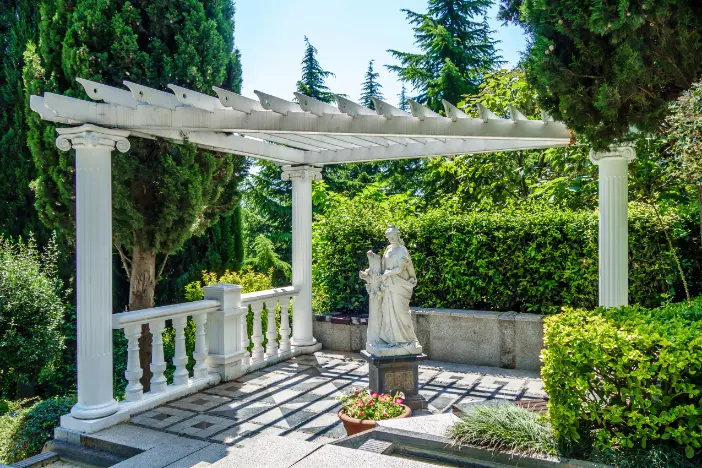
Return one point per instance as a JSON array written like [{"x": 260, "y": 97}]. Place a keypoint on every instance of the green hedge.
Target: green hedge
[
  {"x": 25, "y": 430},
  {"x": 530, "y": 260},
  {"x": 629, "y": 377}
]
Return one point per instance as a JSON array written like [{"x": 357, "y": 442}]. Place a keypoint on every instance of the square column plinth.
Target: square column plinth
[{"x": 396, "y": 374}]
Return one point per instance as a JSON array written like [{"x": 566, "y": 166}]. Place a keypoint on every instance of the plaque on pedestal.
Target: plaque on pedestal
[{"x": 394, "y": 374}]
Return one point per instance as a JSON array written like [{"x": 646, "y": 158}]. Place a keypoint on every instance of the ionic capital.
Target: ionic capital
[
  {"x": 91, "y": 136},
  {"x": 614, "y": 152},
  {"x": 301, "y": 172}
]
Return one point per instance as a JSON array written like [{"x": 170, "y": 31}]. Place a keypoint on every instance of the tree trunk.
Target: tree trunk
[{"x": 142, "y": 283}]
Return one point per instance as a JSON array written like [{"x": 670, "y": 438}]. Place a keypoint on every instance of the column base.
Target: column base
[
  {"x": 89, "y": 426},
  {"x": 394, "y": 374},
  {"x": 95, "y": 412},
  {"x": 303, "y": 342}
]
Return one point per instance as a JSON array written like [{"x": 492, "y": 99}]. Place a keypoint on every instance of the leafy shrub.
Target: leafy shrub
[
  {"x": 25, "y": 428},
  {"x": 361, "y": 404},
  {"x": 532, "y": 259},
  {"x": 628, "y": 377},
  {"x": 505, "y": 427},
  {"x": 32, "y": 307}
]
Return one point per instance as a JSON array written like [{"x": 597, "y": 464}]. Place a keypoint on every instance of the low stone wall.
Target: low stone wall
[{"x": 498, "y": 339}]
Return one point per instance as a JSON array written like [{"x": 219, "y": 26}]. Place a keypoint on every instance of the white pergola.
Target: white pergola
[{"x": 301, "y": 137}]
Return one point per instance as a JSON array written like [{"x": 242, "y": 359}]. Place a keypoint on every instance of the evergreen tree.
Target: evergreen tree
[
  {"x": 313, "y": 76},
  {"x": 162, "y": 193},
  {"x": 18, "y": 20},
  {"x": 455, "y": 39},
  {"x": 604, "y": 66},
  {"x": 371, "y": 87},
  {"x": 403, "y": 104}
]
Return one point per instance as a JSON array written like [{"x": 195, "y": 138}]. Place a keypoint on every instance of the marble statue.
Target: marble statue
[{"x": 390, "y": 280}]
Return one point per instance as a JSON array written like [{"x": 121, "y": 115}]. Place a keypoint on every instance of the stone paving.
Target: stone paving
[{"x": 297, "y": 399}]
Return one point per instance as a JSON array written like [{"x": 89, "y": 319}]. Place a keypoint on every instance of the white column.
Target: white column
[
  {"x": 613, "y": 225},
  {"x": 302, "y": 177},
  {"x": 94, "y": 146}
]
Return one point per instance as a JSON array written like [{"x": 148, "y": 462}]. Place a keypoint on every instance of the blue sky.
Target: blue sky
[{"x": 347, "y": 34}]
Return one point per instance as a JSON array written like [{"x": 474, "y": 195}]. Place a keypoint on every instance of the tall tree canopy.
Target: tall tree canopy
[
  {"x": 162, "y": 193},
  {"x": 18, "y": 25},
  {"x": 370, "y": 87},
  {"x": 602, "y": 66},
  {"x": 456, "y": 50},
  {"x": 313, "y": 76}
]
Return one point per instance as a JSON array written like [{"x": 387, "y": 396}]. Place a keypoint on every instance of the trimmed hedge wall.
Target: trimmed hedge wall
[
  {"x": 534, "y": 260},
  {"x": 629, "y": 377}
]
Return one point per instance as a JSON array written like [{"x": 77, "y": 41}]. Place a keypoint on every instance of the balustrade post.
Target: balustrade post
[
  {"x": 271, "y": 334},
  {"x": 224, "y": 330},
  {"x": 284, "y": 327},
  {"x": 133, "y": 374},
  {"x": 94, "y": 365},
  {"x": 257, "y": 335},
  {"x": 200, "y": 355},
  {"x": 180, "y": 358},
  {"x": 158, "y": 363},
  {"x": 246, "y": 360}
]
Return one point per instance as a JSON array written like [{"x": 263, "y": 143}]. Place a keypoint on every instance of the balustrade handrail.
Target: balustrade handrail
[
  {"x": 287, "y": 291},
  {"x": 163, "y": 312}
]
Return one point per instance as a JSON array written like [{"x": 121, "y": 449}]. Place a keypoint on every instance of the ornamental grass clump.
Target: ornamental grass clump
[
  {"x": 361, "y": 404},
  {"x": 505, "y": 427}
]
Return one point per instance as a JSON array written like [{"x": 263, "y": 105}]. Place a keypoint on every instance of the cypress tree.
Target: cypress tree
[
  {"x": 314, "y": 76},
  {"x": 370, "y": 87},
  {"x": 402, "y": 103},
  {"x": 455, "y": 39},
  {"x": 162, "y": 193}
]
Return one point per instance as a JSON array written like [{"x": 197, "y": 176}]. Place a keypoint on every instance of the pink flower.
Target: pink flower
[
  {"x": 399, "y": 401},
  {"x": 374, "y": 394}
]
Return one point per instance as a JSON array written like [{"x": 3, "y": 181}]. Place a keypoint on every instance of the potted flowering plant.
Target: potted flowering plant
[{"x": 361, "y": 409}]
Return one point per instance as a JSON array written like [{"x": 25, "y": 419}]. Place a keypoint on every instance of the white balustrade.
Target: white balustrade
[{"x": 221, "y": 338}]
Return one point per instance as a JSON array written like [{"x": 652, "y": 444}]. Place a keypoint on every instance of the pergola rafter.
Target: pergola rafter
[{"x": 303, "y": 132}]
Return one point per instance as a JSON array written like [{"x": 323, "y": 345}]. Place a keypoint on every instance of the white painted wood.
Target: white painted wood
[
  {"x": 388, "y": 110},
  {"x": 271, "y": 331},
  {"x": 153, "y": 97},
  {"x": 422, "y": 112},
  {"x": 516, "y": 115},
  {"x": 351, "y": 108},
  {"x": 158, "y": 363},
  {"x": 236, "y": 101},
  {"x": 277, "y": 105},
  {"x": 188, "y": 97},
  {"x": 284, "y": 345},
  {"x": 302, "y": 177},
  {"x": 312, "y": 105},
  {"x": 200, "y": 369},
  {"x": 180, "y": 357},
  {"x": 93, "y": 147},
  {"x": 257, "y": 334},
  {"x": 486, "y": 114},
  {"x": 453, "y": 112},
  {"x": 133, "y": 374},
  {"x": 613, "y": 225},
  {"x": 109, "y": 94}
]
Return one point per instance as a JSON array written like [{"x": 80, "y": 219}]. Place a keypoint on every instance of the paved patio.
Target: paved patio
[{"x": 297, "y": 398}]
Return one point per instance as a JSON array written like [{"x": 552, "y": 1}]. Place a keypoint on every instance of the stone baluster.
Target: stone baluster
[
  {"x": 246, "y": 360},
  {"x": 158, "y": 363},
  {"x": 284, "y": 326},
  {"x": 200, "y": 354},
  {"x": 133, "y": 373},
  {"x": 257, "y": 335},
  {"x": 271, "y": 333},
  {"x": 180, "y": 358}
]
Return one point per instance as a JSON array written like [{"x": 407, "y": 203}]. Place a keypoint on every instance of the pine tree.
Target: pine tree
[
  {"x": 402, "y": 103},
  {"x": 18, "y": 25},
  {"x": 602, "y": 67},
  {"x": 162, "y": 193},
  {"x": 370, "y": 87},
  {"x": 455, "y": 39},
  {"x": 313, "y": 76}
]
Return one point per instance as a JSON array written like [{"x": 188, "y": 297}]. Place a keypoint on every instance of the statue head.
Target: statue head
[{"x": 393, "y": 235}]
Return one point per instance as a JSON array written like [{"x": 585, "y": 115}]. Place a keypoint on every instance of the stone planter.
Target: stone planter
[{"x": 354, "y": 426}]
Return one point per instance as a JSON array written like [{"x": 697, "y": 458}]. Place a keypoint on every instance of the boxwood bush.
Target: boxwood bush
[
  {"x": 626, "y": 377},
  {"x": 533, "y": 259}
]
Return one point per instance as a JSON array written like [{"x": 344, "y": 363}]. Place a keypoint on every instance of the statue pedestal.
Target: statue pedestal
[{"x": 393, "y": 374}]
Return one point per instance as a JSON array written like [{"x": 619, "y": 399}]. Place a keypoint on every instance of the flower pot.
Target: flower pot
[{"x": 354, "y": 426}]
